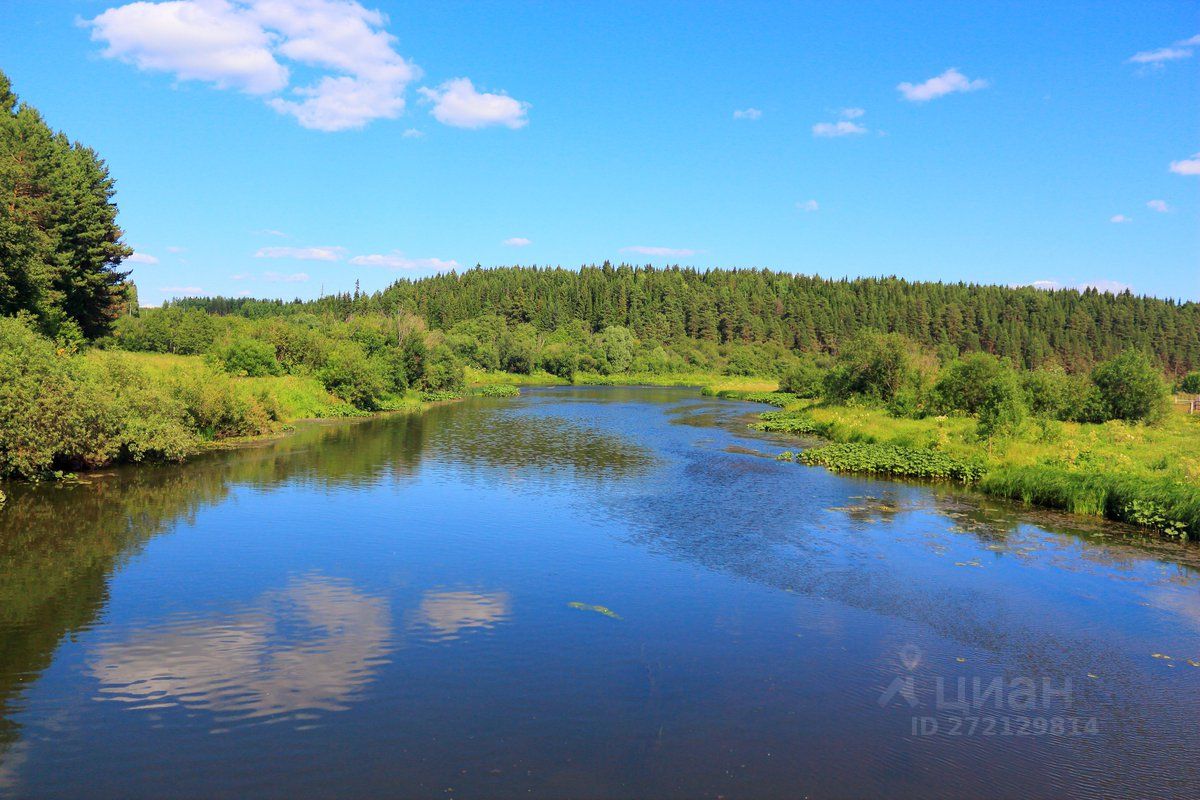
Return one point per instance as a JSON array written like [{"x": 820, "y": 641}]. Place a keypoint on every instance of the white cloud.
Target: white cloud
[
  {"x": 1192, "y": 42},
  {"x": 747, "y": 113},
  {"x": 644, "y": 250},
  {"x": 518, "y": 241},
  {"x": 1188, "y": 166},
  {"x": 241, "y": 276},
  {"x": 840, "y": 128},
  {"x": 1160, "y": 55},
  {"x": 175, "y": 249},
  {"x": 458, "y": 104},
  {"x": 142, "y": 258},
  {"x": 1158, "y": 205},
  {"x": 808, "y": 205},
  {"x": 301, "y": 253},
  {"x": 412, "y": 133},
  {"x": 279, "y": 277},
  {"x": 213, "y": 41},
  {"x": 851, "y": 113},
  {"x": 1119, "y": 218},
  {"x": 948, "y": 82},
  {"x": 182, "y": 290},
  {"x": 272, "y": 232},
  {"x": 397, "y": 260},
  {"x": 242, "y": 44}
]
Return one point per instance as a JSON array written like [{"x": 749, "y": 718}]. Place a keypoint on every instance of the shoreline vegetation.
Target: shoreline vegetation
[{"x": 1056, "y": 398}]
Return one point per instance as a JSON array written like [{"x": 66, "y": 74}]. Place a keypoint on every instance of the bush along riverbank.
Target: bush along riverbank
[
  {"x": 64, "y": 410},
  {"x": 1146, "y": 475}
]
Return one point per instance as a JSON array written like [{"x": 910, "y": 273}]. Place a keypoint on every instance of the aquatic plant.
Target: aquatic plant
[{"x": 890, "y": 459}]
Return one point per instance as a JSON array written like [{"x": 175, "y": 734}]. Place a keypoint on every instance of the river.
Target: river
[{"x": 580, "y": 593}]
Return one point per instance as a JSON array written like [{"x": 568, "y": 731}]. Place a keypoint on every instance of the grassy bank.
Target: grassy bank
[
  {"x": 1143, "y": 474},
  {"x": 711, "y": 383}
]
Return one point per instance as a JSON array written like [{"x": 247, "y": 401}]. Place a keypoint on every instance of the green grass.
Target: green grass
[{"x": 1147, "y": 475}]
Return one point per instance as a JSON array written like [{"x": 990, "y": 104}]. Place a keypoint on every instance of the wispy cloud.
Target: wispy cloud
[
  {"x": 840, "y": 128},
  {"x": 1187, "y": 166},
  {"x": 271, "y": 232},
  {"x": 279, "y": 277},
  {"x": 1159, "y": 55},
  {"x": 457, "y": 103},
  {"x": 187, "y": 291},
  {"x": 175, "y": 249},
  {"x": 808, "y": 205},
  {"x": 142, "y": 258},
  {"x": 1151, "y": 60},
  {"x": 646, "y": 250},
  {"x": 843, "y": 127},
  {"x": 949, "y": 82},
  {"x": 747, "y": 113},
  {"x": 241, "y": 276},
  {"x": 413, "y": 133},
  {"x": 397, "y": 260},
  {"x": 302, "y": 253},
  {"x": 1120, "y": 218},
  {"x": 518, "y": 241},
  {"x": 1160, "y": 206}
]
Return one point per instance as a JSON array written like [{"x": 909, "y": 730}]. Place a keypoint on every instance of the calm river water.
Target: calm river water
[{"x": 579, "y": 593}]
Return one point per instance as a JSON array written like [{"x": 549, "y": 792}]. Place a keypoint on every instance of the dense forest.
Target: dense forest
[{"x": 1029, "y": 327}]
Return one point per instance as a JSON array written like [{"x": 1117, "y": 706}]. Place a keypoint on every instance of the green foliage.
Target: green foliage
[
  {"x": 617, "y": 344},
  {"x": 497, "y": 390},
  {"x": 963, "y": 384},
  {"x": 59, "y": 412},
  {"x": 443, "y": 371},
  {"x": 1131, "y": 387},
  {"x": 518, "y": 349},
  {"x": 875, "y": 365},
  {"x": 1001, "y": 405},
  {"x": 797, "y": 423},
  {"x": 351, "y": 375},
  {"x": 251, "y": 358},
  {"x": 60, "y": 247},
  {"x": 560, "y": 360},
  {"x": 805, "y": 379},
  {"x": 1190, "y": 383},
  {"x": 1162, "y": 504},
  {"x": 888, "y": 459}
]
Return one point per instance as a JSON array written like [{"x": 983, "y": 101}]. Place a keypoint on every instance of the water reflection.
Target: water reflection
[
  {"x": 310, "y": 646},
  {"x": 445, "y": 615}
]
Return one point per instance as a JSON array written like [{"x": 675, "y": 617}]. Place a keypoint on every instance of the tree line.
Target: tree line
[{"x": 1028, "y": 327}]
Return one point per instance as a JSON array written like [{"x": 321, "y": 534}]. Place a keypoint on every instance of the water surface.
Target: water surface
[{"x": 580, "y": 593}]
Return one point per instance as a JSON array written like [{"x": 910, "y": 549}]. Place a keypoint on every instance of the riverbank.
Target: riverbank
[{"x": 1147, "y": 475}]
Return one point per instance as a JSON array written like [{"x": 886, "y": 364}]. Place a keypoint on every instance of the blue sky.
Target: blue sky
[{"x": 282, "y": 147}]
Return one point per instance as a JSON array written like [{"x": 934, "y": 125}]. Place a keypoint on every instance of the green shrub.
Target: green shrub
[
  {"x": 350, "y": 375},
  {"x": 1001, "y": 406},
  {"x": 1131, "y": 387},
  {"x": 876, "y": 365},
  {"x": 1190, "y": 383},
  {"x": 252, "y": 358},
  {"x": 805, "y": 380},
  {"x": 443, "y": 371},
  {"x": 963, "y": 385}
]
